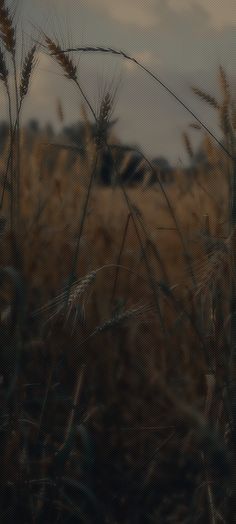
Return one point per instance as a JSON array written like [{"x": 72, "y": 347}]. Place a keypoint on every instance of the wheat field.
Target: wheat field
[{"x": 115, "y": 319}]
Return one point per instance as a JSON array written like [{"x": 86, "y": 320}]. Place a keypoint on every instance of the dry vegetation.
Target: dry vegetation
[{"x": 115, "y": 327}]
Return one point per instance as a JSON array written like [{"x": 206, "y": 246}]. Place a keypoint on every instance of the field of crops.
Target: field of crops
[{"x": 117, "y": 337}]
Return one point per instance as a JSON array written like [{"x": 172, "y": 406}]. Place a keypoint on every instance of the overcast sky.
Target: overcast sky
[{"x": 182, "y": 41}]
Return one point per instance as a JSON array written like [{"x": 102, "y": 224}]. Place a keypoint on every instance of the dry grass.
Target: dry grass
[
  {"x": 124, "y": 369},
  {"x": 111, "y": 421}
]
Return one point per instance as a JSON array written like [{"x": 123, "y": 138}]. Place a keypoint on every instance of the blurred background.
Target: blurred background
[{"x": 181, "y": 41}]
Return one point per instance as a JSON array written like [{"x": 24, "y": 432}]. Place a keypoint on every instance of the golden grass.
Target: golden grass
[{"x": 150, "y": 312}]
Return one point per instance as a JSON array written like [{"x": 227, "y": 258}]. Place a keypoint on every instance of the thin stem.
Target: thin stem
[
  {"x": 119, "y": 257},
  {"x": 119, "y": 52},
  {"x": 10, "y": 157},
  {"x": 86, "y": 100},
  {"x": 232, "y": 363},
  {"x": 170, "y": 207},
  {"x": 77, "y": 393},
  {"x": 81, "y": 226},
  {"x": 152, "y": 281},
  {"x": 18, "y": 181}
]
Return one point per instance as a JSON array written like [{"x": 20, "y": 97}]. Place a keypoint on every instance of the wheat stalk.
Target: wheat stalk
[
  {"x": 66, "y": 302},
  {"x": 3, "y": 68},
  {"x": 206, "y": 97},
  {"x": 188, "y": 145},
  {"x": 78, "y": 291},
  {"x": 225, "y": 118},
  {"x": 28, "y": 65},
  {"x": 234, "y": 114},
  {"x": 116, "y": 52},
  {"x": 60, "y": 112},
  {"x": 224, "y": 84},
  {"x": 76, "y": 397},
  {"x": 103, "y": 120},
  {"x": 7, "y": 28},
  {"x": 208, "y": 146},
  {"x": 63, "y": 60},
  {"x": 69, "y": 68},
  {"x": 8, "y": 36},
  {"x": 119, "y": 318}
]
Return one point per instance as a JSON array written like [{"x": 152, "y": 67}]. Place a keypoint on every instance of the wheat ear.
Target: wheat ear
[
  {"x": 119, "y": 318},
  {"x": 64, "y": 303},
  {"x": 119, "y": 52},
  {"x": 69, "y": 68},
  {"x": 103, "y": 120},
  {"x": 209, "y": 99},
  {"x": 28, "y": 66},
  {"x": 224, "y": 84},
  {"x": 3, "y": 68},
  {"x": 63, "y": 60},
  {"x": 7, "y": 28},
  {"x": 188, "y": 145}
]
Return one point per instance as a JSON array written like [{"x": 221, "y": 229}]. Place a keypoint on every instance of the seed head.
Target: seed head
[
  {"x": 119, "y": 318},
  {"x": 3, "y": 68},
  {"x": 28, "y": 65},
  {"x": 62, "y": 59},
  {"x": 206, "y": 97},
  {"x": 7, "y": 29}
]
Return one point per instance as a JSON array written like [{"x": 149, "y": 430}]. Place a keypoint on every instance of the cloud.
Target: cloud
[
  {"x": 147, "y": 14},
  {"x": 129, "y": 12},
  {"x": 220, "y": 13}
]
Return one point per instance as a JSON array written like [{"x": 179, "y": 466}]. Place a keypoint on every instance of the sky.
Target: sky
[{"x": 182, "y": 41}]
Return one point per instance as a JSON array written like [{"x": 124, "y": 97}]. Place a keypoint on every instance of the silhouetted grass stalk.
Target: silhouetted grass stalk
[
  {"x": 81, "y": 223},
  {"x": 62, "y": 56},
  {"x": 210, "y": 390},
  {"x": 231, "y": 154},
  {"x": 58, "y": 52},
  {"x": 79, "y": 383},
  {"x": 109, "y": 50},
  {"x": 170, "y": 207},
  {"x": 4, "y": 76},
  {"x": 232, "y": 363},
  {"x": 119, "y": 257}
]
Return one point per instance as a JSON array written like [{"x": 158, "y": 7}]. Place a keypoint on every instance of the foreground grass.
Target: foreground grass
[{"x": 115, "y": 330}]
